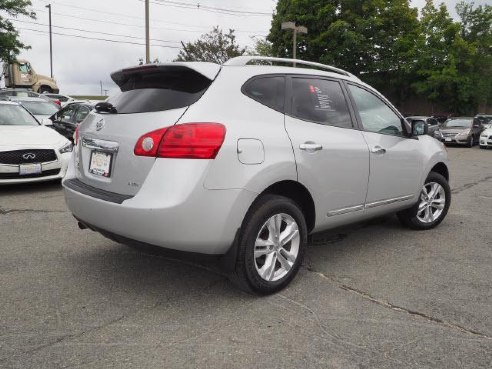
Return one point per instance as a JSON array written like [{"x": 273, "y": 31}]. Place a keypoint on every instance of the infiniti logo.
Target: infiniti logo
[
  {"x": 99, "y": 124},
  {"x": 29, "y": 156}
]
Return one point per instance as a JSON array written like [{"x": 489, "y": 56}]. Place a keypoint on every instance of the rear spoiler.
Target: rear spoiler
[{"x": 208, "y": 70}]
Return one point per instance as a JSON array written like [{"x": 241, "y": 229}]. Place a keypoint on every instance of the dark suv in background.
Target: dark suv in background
[{"x": 66, "y": 120}]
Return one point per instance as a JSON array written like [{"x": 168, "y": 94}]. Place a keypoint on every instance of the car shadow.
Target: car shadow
[{"x": 148, "y": 269}]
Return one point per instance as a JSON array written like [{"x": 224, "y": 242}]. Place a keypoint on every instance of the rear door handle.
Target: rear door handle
[
  {"x": 310, "y": 146},
  {"x": 378, "y": 150}
]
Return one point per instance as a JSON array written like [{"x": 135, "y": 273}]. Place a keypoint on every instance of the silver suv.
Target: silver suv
[{"x": 245, "y": 160}]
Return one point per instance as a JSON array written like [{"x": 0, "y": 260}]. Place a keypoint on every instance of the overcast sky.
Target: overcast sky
[{"x": 79, "y": 63}]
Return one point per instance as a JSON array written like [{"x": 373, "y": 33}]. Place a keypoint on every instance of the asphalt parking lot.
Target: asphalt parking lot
[{"x": 374, "y": 295}]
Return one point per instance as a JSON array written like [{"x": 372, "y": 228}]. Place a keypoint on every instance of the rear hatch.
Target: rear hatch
[{"x": 151, "y": 97}]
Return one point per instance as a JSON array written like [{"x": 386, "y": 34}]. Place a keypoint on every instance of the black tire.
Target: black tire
[
  {"x": 409, "y": 216},
  {"x": 246, "y": 275},
  {"x": 44, "y": 89}
]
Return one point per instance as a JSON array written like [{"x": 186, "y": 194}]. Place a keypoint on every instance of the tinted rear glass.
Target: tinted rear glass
[
  {"x": 159, "y": 90},
  {"x": 268, "y": 91}
]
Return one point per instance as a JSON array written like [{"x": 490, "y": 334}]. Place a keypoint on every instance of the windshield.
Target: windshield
[
  {"x": 40, "y": 107},
  {"x": 458, "y": 123},
  {"x": 15, "y": 115}
]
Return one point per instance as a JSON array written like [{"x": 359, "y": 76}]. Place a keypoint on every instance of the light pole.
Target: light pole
[
  {"x": 296, "y": 30},
  {"x": 51, "y": 40},
  {"x": 147, "y": 33}
]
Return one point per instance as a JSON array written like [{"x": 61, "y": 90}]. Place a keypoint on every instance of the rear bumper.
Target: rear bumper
[{"x": 183, "y": 216}]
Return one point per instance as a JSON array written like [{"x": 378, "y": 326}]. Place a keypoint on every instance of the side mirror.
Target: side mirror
[
  {"x": 46, "y": 122},
  {"x": 419, "y": 128}
]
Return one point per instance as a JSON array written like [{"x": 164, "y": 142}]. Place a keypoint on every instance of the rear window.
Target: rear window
[{"x": 151, "y": 91}]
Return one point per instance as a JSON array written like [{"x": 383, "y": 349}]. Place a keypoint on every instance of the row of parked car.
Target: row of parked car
[
  {"x": 467, "y": 131},
  {"x": 60, "y": 112}
]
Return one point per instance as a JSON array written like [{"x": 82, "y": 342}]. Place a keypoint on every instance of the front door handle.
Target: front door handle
[
  {"x": 378, "y": 150},
  {"x": 310, "y": 146}
]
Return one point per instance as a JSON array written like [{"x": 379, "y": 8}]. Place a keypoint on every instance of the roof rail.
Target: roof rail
[{"x": 245, "y": 60}]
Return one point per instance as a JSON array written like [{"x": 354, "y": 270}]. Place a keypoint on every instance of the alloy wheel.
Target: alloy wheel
[
  {"x": 276, "y": 247},
  {"x": 432, "y": 202}
]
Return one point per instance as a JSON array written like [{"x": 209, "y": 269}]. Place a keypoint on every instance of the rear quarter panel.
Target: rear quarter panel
[{"x": 244, "y": 118}]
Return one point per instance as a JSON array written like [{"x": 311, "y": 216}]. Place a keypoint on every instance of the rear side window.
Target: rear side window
[
  {"x": 269, "y": 91},
  {"x": 320, "y": 101},
  {"x": 150, "y": 91}
]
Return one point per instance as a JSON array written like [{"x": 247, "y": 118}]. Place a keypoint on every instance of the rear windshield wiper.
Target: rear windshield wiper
[{"x": 105, "y": 107}]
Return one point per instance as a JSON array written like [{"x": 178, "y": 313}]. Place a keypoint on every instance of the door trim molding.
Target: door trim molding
[
  {"x": 388, "y": 201},
  {"x": 370, "y": 205},
  {"x": 350, "y": 209}
]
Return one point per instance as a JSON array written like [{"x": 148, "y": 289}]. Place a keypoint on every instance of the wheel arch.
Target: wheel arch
[
  {"x": 299, "y": 194},
  {"x": 442, "y": 169}
]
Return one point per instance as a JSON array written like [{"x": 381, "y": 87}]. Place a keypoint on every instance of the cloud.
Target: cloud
[{"x": 80, "y": 64}]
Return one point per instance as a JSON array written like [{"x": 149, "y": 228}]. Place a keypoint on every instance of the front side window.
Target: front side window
[
  {"x": 81, "y": 114},
  {"x": 65, "y": 115},
  {"x": 24, "y": 68},
  {"x": 375, "y": 115},
  {"x": 320, "y": 101},
  {"x": 267, "y": 90}
]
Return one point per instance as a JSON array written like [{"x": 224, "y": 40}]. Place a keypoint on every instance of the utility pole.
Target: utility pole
[
  {"x": 51, "y": 40},
  {"x": 296, "y": 30},
  {"x": 147, "y": 33},
  {"x": 101, "y": 83}
]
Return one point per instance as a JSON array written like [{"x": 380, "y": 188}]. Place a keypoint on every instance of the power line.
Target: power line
[
  {"x": 191, "y": 6},
  {"x": 212, "y": 9},
  {"x": 98, "y": 39},
  {"x": 91, "y": 31},
  {"x": 138, "y": 26}
]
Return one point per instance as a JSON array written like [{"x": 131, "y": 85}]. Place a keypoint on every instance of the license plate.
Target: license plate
[
  {"x": 100, "y": 164},
  {"x": 449, "y": 139},
  {"x": 27, "y": 169}
]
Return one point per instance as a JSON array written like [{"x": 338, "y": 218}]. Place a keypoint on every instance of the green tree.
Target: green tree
[
  {"x": 10, "y": 44},
  {"x": 215, "y": 47},
  {"x": 476, "y": 29},
  {"x": 366, "y": 37},
  {"x": 454, "y": 65},
  {"x": 262, "y": 47}
]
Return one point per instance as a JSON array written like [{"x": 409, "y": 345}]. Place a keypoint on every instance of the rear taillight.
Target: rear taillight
[
  {"x": 57, "y": 102},
  {"x": 184, "y": 141},
  {"x": 148, "y": 144}
]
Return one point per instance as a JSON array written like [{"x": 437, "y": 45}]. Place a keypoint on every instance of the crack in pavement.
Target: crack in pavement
[
  {"x": 397, "y": 308},
  {"x": 111, "y": 322},
  {"x": 11, "y": 211},
  {"x": 470, "y": 185}
]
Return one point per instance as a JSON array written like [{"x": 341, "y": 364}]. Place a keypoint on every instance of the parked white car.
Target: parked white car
[
  {"x": 486, "y": 138},
  {"x": 29, "y": 151},
  {"x": 244, "y": 161},
  {"x": 40, "y": 108}
]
